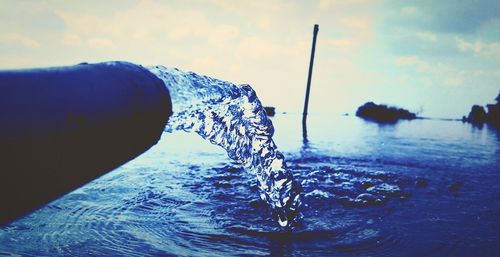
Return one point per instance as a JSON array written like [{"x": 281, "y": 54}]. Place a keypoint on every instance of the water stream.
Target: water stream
[{"x": 232, "y": 117}]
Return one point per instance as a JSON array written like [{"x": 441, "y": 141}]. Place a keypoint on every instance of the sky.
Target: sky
[{"x": 437, "y": 58}]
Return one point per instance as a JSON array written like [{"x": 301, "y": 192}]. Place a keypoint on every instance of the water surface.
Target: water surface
[{"x": 417, "y": 188}]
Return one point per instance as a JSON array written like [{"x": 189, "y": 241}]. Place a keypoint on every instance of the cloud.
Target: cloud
[
  {"x": 409, "y": 10},
  {"x": 327, "y": 5},
  {"x": 356, "y": 23},
  {"x": 255, "y": 48},
  {"x": 427, "y": 36},
  {"x": 100, "y": 43},
  {"x": 340, "y": 42},
  {"x": 445, "y": 30},
  {"x": 257, "y": 7},
  {"x": 72, "y": 40},
  {"x": 479, "y": 47},
  {"x": 419, "y": 64},
  {"x": 464, "y": 17},
  {"x": 148, "y": 22},
  {"x": 222, "y": 35},
  {"x": 442, "y": 74},
  {"x": 206, "y": 62},
  {"x": 366, "y": 50},
  {"x": 20, "y": 39},
  {"x": 453, "y": 81}
]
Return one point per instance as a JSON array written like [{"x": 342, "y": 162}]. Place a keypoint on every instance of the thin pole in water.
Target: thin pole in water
[{"x": 308, "y": 89}]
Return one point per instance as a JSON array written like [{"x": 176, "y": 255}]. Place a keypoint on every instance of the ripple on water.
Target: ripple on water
[
  {"x": 350, "y": 187},
  {"x": 217, "y": 209}
]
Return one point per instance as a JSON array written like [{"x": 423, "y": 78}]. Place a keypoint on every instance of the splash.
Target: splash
[{"x": 231, "y": 116}]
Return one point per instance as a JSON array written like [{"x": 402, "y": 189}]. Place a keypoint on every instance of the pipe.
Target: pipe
[{"x": 63, "y": 127}]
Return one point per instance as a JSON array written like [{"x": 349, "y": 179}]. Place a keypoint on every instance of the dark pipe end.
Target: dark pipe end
[{"x": 63, "y": 127}]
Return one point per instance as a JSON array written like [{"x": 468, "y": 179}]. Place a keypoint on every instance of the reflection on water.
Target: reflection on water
[{"x": 419, "y": 188}]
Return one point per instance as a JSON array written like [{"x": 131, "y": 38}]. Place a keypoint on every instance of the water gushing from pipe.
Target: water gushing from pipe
[{"x": 231, "y": 116}]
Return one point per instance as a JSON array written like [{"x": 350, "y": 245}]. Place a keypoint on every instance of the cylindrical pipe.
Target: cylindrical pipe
[{"x": 63, "y": 127}]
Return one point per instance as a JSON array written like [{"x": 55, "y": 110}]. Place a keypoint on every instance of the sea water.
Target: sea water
[{"x": 415, "y": 188}]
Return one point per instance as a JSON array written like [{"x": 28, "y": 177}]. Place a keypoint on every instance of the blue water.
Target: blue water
[{"x": 417, "y": 188}]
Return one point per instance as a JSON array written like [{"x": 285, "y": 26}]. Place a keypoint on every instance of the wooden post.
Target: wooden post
[{"x": 308, "y": 89}]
